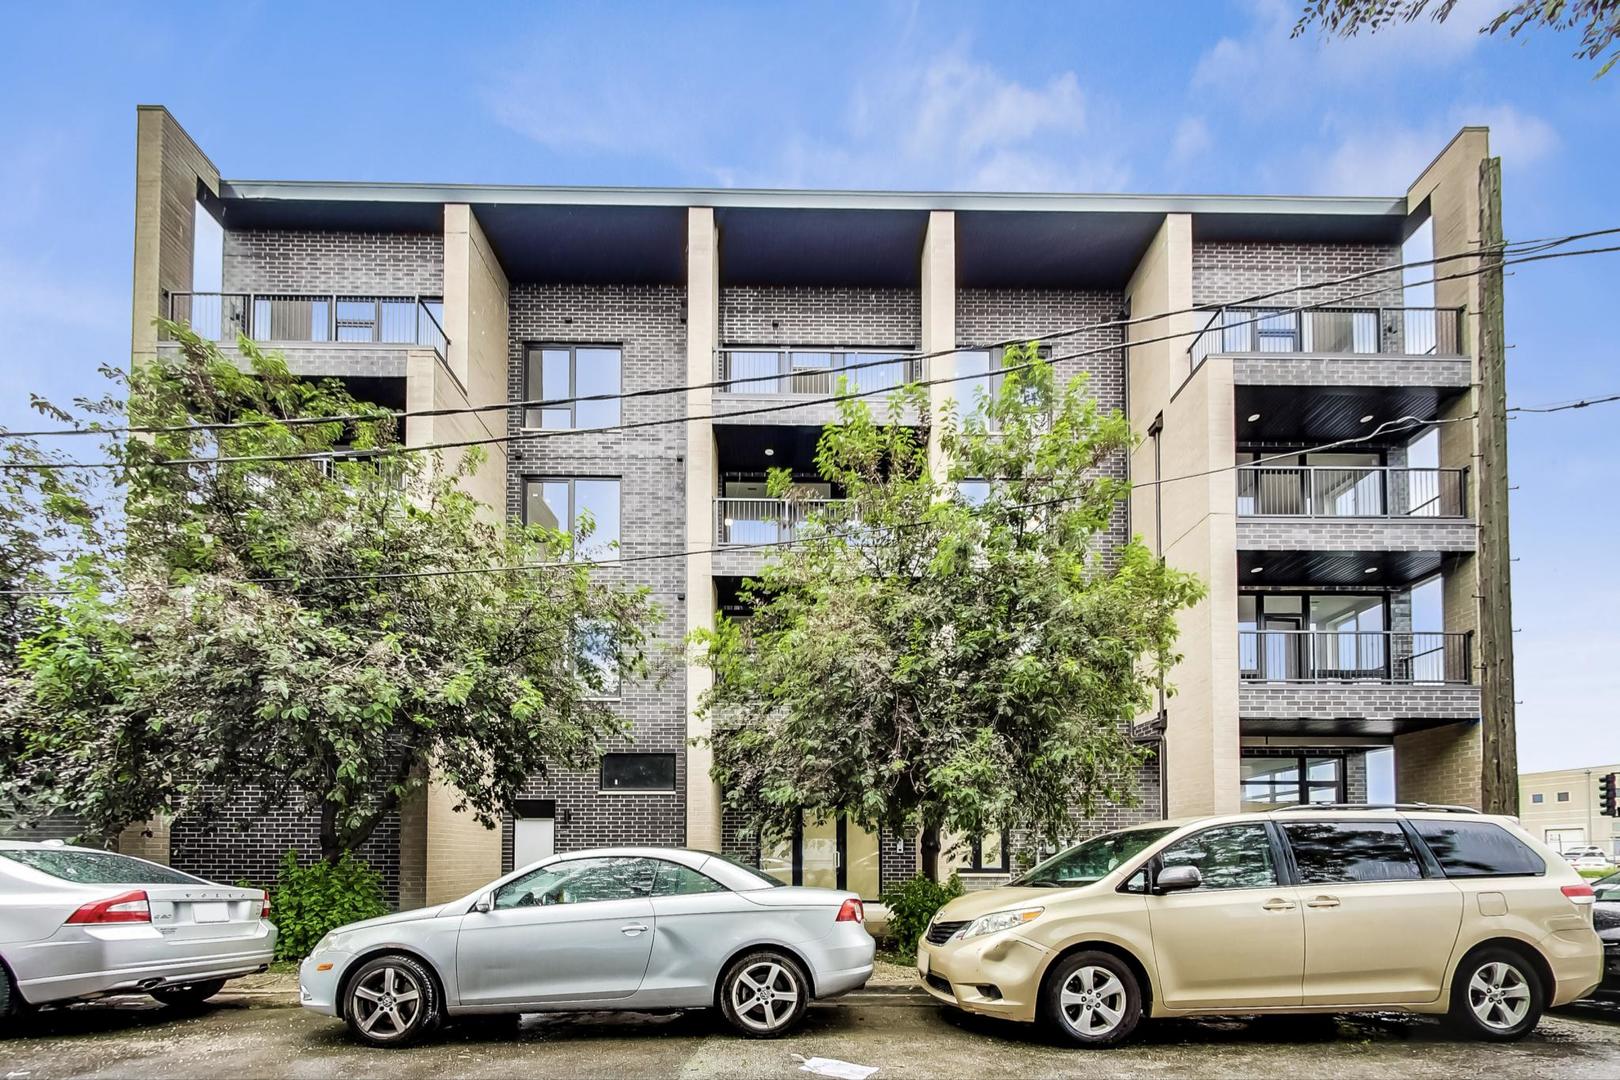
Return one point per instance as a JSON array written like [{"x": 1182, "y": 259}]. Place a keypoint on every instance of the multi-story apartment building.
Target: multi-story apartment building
[
  {"x": 1564, "y": 808},
  {"x": 1341, "y": 616}
]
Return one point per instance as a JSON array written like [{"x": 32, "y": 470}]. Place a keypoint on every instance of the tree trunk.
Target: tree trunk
[
  {"x": 930, "y": 852},
  {"x": 331, "y": 846}
]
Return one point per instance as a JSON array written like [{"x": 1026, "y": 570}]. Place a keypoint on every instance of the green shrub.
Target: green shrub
[
  {"x": 307, "y": 901},
  {"x": 912, "y": 904}
]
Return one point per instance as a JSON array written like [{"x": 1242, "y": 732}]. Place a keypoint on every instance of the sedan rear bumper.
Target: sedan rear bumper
[{"x": 80, "y": 962}]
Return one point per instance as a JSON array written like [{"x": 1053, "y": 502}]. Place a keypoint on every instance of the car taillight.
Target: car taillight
[
  {"x": 264, "y": 908},
  {"x": 852, "y": 911},
  {"x": 1580, "y": 894},
  {"x": 125, "y": 907}
]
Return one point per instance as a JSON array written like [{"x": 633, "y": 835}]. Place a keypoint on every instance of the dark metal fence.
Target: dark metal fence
[{"x": 1355, "y": 656}]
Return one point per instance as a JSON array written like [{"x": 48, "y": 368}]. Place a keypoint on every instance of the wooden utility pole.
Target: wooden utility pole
[{"x": 1499, "y": 780}]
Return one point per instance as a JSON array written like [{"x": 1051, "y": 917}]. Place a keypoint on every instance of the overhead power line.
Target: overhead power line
[
  {"x": 1520, "y": 249},
  {"x": 389, "y": 451},
  {"x": 1405, "y": 423}
]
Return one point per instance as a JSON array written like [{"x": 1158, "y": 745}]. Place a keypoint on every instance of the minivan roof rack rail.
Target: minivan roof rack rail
[{"x": 1440, "y": 808}]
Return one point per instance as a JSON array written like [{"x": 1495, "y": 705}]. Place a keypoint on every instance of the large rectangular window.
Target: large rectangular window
[
  {"x": 555, "y": 375},
  {"x": 565, "y": 503},
  {"x": 638, "y": 772},
  {"x": 1286, "y": 781},
  {"x": 985, "y": 854}
]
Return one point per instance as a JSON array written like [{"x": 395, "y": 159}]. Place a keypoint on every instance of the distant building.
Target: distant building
[{"x": 1562, "y": 808}]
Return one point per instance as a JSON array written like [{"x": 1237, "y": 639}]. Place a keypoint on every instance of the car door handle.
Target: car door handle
[
  {"x": 1278, "y": 904},
  {"x": 632, "y": 929},
  {"x": 1323, "y": 901}
]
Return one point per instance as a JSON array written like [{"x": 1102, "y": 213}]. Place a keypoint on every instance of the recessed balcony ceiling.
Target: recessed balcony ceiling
[
  {"x": 1291, "y": 415},
  {"x": 1389, "y": 568}
]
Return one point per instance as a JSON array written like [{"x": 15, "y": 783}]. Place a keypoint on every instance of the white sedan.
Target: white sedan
[{"x": 615, "y": 928}]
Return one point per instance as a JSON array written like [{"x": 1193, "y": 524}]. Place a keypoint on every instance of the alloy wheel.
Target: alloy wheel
[
  {"x": 1499, "y": 995},
  {"x": 386, "y": 1002},
  {"x": 764, "y": 995},
  {"x": 1093, "y": 1001}
]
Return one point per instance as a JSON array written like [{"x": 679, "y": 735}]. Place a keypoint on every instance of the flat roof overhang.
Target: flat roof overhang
[
  {"x": 1343, "y": 727},
  {"x": 1259, "y": 570},
  {"x": 863, "y": 238}
]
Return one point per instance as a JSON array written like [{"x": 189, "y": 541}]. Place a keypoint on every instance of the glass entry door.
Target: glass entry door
[{"x": 832, "y": 854}]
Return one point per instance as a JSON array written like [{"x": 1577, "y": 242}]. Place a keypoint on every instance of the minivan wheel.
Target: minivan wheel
[
  {"x": 1496, "y": 995},
  {"x": 1092, "y": 998},
  {"x": 764, "y": 994},
  {"x": 391, "y": 1001}
]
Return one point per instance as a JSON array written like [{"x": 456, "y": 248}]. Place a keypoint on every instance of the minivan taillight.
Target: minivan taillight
[
  {"x": 852, "y": 911},
  {"x": 1580, "y": 894},
  {"x": 125, "y": 907}
]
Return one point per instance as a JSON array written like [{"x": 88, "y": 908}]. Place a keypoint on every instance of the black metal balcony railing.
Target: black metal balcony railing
[
  {"x": 1395, "y": 331},
  {"x": 814, "y": 372},
  {"x": 1363, "y": 491},
  {"x": 768, "y": 521},
  {"x": 1366, "y": 656},
  {"x": 313, "y": 317}
]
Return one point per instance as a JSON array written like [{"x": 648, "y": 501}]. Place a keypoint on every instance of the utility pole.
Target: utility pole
[{"x": 1499, "y": 780}]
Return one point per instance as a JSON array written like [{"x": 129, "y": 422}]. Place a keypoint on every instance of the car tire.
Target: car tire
[
  {"x": 764, "y": 994},
  {"x": 391, "y": 1001},
  {"x": 182, "y": 995},
  {"x": 1496, "y": 995},
  {"x": 1092, "y": 999}
]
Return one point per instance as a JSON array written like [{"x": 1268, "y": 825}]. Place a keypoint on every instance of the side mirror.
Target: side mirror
[
  {"x": 1177, "y": 879},
  {"x": 484, "y": 903}
]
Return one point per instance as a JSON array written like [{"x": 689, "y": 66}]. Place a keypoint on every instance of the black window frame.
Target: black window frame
[
  {"x": 532, "y": 351},
  {"x": 1303, "y": 783},
  {"x": 976, "y": 863},
  {"x": 604, "y": 788},
  {"x": 573, "y": 503}
]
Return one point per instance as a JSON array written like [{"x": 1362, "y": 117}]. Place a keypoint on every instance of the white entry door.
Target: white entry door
[{"x": 532, "y": 839}]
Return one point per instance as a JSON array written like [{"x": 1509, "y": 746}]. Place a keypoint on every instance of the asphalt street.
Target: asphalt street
[{"x": 261, "y": 1034}]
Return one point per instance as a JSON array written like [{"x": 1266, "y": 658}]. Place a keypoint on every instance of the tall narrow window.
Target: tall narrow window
[
  {"x": 557, "y": 375},
  {"x": 564, "y": 504}
]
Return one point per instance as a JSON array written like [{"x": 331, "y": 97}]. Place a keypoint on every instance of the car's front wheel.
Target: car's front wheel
[
  {"x": 764, "y": 994},
  {"x": 1496, "y": 995},
  {"x": 1093, "y": 999},
  {"x": 192, "y": 993},
  {"x": 391, "y": 1001}
]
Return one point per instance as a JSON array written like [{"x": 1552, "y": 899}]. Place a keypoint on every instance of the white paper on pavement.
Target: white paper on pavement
[{"x": 840, "y": 1070}]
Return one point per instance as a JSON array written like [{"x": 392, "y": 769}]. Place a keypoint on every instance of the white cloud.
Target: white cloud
[
  {"x": 1382, "y": 159},
  {"x": 1191, "y": 141}
]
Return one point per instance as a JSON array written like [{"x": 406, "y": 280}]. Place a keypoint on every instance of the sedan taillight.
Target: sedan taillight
[
  {"x": 264, "y": 907},
  {"x": 852, "y": 911},
  {"x": 125, "y": 907}
]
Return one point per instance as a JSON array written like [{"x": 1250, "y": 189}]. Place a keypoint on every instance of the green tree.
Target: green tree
[
  {"x": 1598, "y": 20},
  {"x": 326, "y": 632},
  {"x": 941, "y": 655}
]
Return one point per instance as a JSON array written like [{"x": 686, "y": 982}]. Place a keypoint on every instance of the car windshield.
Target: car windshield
[
  {"x": 1093, "y": 859},
  {"x": 96, "y": 867}
]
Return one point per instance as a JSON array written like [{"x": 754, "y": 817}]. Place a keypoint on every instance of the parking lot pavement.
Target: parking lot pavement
[{"x": 905, "y": 1034}]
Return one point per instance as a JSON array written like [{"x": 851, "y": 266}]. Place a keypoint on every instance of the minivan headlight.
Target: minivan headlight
[{"x": 997, "y": 921}]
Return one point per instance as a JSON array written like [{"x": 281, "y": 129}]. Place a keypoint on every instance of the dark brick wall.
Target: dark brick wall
[
  {"x": 819, "y": 315},
  {"x": 1229, "y": 271},
  {"x": 244, "y": 843},
  {"x": 52, "y": 827},
  {"x": 310, "y": 261},
  {"x": 647, "y": 322}
]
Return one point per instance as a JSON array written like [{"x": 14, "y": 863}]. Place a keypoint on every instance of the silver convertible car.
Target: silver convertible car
[
  {"x": 614, "y": 928},
  {"x": 80, "y": 923}
]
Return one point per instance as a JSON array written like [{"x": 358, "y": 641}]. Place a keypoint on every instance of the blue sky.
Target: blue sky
[{"x": 1170, "y": 97}]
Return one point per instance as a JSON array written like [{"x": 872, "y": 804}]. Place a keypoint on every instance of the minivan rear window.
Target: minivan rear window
[
  {"x": 1478, "y": 849},
  {"x": 97, "y": 867}
]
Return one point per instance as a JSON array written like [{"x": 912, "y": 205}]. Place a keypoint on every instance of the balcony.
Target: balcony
[
  {"x": 814, "y": 372},
  {"x": 1358, "y": 656},
  {"x": 1337, "y": 331},
  {"x": 742, "y": 522},
  {"x": 1324, "y": 491},
  {"x": 328, "y": 323}
]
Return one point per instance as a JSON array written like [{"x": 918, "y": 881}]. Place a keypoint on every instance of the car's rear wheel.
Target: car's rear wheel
[
  {"x": 1092, "y": 999},
  {"x": 192, "y": 993},
  {"x": 1496, "y": 995},
  {"x": 391, "y": 1001},
  {"x": 764, "y": 994}
]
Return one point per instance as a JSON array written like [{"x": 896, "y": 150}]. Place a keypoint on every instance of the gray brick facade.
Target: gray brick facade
[
  {"x": 338, "y": 359},
  {"x": 357, "y": 263},
  {"x": 647, "y": 323},
  {"x": 1281, "y": 369},
  {"x": 1260, "y": 705},
  {"x": 820, "y": 315},
  {"x": 1226, "y": 272},
  {"x": 1354, "y": 534}
]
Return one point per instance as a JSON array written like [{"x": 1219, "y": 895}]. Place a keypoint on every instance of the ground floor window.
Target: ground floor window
[
  {"x": 827, "y": 855},
  {"x": 986, "y": 854},
  {"x": 1284, "y": 781}
]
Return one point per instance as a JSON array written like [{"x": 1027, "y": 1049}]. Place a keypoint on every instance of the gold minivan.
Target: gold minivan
[{"x": 1301, "y": 909}]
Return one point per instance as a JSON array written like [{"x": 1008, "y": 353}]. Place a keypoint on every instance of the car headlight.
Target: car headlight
[{"x": 997, "y": 921}]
